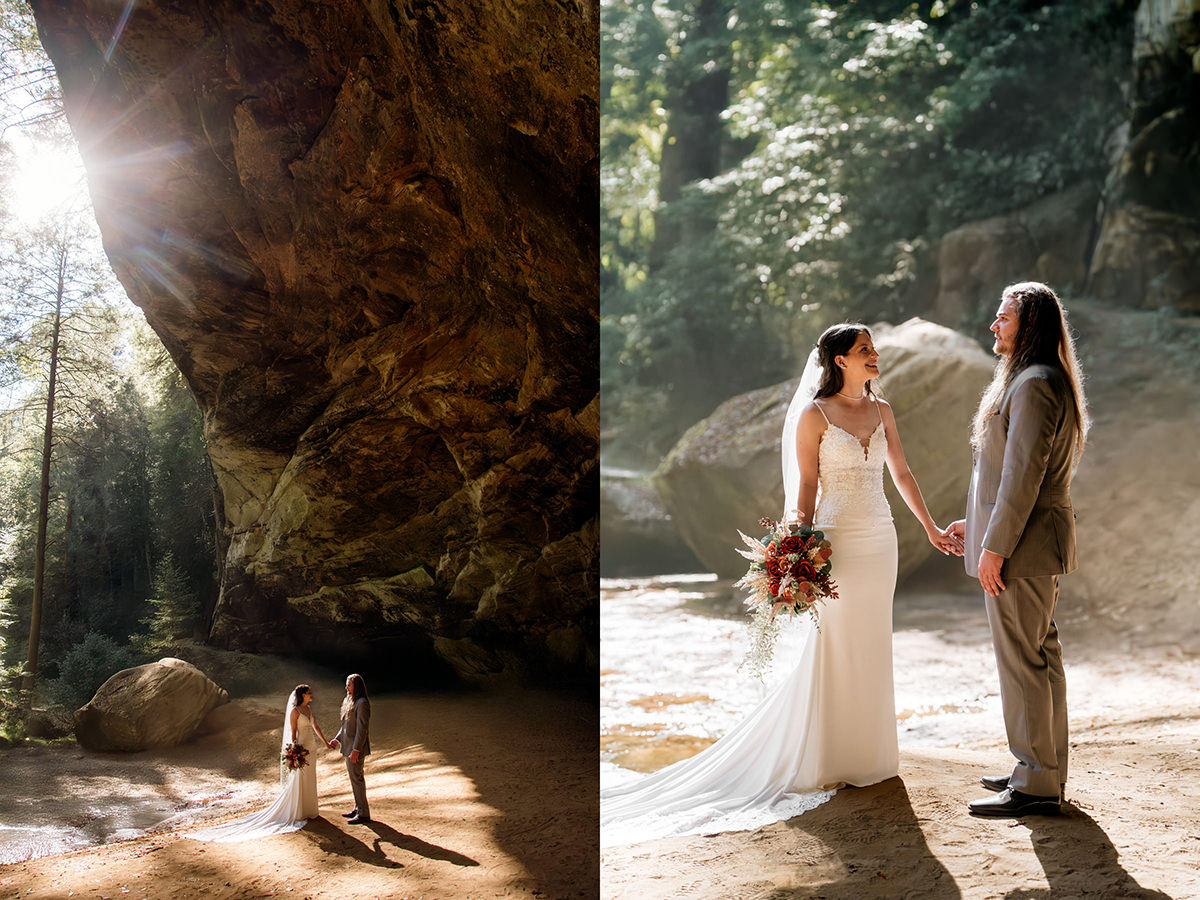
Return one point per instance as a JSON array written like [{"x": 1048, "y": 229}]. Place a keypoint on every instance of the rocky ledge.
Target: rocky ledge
[{"x": 367, "y": 235}]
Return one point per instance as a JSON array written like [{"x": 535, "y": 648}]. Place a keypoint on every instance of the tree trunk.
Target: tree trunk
[
  {"x": 43, "y": 519},
  {"x": 692, "y": 147}
]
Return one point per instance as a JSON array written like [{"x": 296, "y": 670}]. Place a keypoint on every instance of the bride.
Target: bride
[
  {"x": 832, "y": 721},
  {"x": 297, "y": 800}
]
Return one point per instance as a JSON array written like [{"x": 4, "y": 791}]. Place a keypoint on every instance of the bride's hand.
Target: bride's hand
[{"x": 945, "y": 541}]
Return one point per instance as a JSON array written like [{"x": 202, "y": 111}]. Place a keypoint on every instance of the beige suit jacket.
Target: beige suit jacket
[{"x": 1019, "y": 504}]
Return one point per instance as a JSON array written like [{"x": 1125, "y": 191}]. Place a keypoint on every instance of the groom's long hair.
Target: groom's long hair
[
  {"x": 1043, "y": 337},
  {"x": 358, "y": 690}
]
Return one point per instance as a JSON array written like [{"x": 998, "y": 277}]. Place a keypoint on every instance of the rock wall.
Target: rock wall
[
  {"x": 637, "y": 535},
  {"x": 1148, "y": 251},
  {"x": 1046, "y": 241},
  {"x": 724, "y": 473},
  {"x": 367, "y": 235}
]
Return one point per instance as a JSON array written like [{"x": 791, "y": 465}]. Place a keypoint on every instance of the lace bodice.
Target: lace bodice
[{"x": 850, "y": 477}]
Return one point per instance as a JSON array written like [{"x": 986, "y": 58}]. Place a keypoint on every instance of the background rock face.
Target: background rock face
[
  {"x": 367, "y": 235},
  {"x": 724, "y": 474},
  {"x": 156, "y": 705},
  {"x": 1046, "y": 241},
  {"x": 637, "y": 536},
  {"x": 1148, "y": 252}
]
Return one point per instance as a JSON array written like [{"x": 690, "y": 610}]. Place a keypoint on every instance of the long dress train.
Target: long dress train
[
  {"x": 832, "y": 721},
  {"x": 297, "y": 800}
]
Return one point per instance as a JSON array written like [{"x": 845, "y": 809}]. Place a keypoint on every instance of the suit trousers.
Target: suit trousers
[
  {"x": 358, "y": 785},
  {"x": 1033, "y": 687}
]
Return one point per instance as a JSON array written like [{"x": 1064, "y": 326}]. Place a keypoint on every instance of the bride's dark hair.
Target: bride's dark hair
[
  {"x": 835, "y": 341},
  {"x": 298, "y": 694}
]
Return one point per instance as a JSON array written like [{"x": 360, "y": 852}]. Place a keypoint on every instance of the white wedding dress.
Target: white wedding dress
[
  {"x": 297, "y": 800},
  {"x": 832, "y": 721}
]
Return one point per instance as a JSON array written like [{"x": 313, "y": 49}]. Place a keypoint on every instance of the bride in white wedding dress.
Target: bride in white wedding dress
[
  {"x": 297, "y": 800},
  {"x": 832, "y": 721}
]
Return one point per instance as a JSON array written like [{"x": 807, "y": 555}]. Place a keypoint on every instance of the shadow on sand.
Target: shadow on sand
[
  {"x": 884, "y": 855},
  {"x": 1079, "y": 860},
  {"x": 374, "y": 835}
]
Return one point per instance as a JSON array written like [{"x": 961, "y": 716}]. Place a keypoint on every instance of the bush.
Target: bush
[{"x": 85, "y": 667}]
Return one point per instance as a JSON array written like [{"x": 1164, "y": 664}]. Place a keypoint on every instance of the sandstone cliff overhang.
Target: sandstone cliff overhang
[{"x": 367, "y": 234}]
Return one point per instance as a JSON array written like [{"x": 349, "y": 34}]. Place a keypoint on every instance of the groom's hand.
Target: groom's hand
[
  {"x": 989, "y": 572},
  {"x": 954, "y": 536},
  {"x": 353, "y": 756}
]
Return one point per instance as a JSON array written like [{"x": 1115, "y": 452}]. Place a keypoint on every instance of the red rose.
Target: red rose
[
  {"x": 792, "y": 544},
  {"x": 803, "y": 570},
  {"x": 773, "y": 587}
]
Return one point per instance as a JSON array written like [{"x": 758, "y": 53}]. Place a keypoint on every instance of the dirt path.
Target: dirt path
[{"x": 475, "y": 796}]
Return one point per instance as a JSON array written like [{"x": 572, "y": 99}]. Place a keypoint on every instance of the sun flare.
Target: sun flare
[{"x": 48, "y": 179}]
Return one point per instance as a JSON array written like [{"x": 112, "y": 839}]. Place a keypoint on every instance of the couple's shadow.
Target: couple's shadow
[
  {"x": 885, "y": 853},
  {"x": 1078, "y": 859},
  {"x": 366, "y": 843}
]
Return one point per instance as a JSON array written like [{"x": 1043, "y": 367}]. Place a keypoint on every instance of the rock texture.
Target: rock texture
[
  {"x": 156, "y": 705},
  {"x": 367, "y": 235},
  {"x": 1148, "y": 252},
  {"x": 724, "y": 473},
  {"x": 1047, "y": 241},
  {"x": 637, "y": 535}
]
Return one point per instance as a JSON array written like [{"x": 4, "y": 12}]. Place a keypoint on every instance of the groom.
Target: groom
[
  {"x": 355, "y": 742},
  {"x": 1019, "y": 536}
]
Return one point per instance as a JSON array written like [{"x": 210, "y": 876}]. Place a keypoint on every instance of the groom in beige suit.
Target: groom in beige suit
[{"x": 1019, "y": 536}]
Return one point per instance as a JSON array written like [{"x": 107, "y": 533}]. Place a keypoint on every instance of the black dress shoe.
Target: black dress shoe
[
  {"x": 350, "y": 815},
  {"x": 358, "y": 820},
  {"x": 995, "y": 782},
  {"x": 1013, "y": 804},
  {"x": 1000, "y": 783}
]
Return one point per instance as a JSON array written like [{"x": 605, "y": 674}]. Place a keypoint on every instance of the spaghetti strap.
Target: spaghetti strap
[
  {"x": 878, "y": 409},
  {"x": 818, "y": 406}
]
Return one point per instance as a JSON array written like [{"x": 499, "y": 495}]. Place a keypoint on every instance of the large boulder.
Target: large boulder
[
  {"x": 156, "y": 705},
  {"x": 1148, "y": 250},
  {"x": 1046, "y": 241},
  {"x": 367, "y": 235},
  {"x": 637, "y": 535},
  {"x": 724, "y": 473}
]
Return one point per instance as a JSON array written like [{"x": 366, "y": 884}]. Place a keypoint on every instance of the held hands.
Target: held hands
[
  {"x": 956, "y": 533},
  {"x": 332, "y": 745},
  {"x": 948, "y": 541}
]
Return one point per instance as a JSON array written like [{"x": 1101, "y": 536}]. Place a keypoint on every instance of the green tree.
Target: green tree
[
  {"x": 856, "y": 133},
  {"x": 49, "y": 318},
  {"x": 173, "y": 609}
]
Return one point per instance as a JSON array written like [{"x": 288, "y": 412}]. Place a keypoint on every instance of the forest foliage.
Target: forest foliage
[
  {"x": 129, "y": 562},
  {"x": 771, "y": 167}
]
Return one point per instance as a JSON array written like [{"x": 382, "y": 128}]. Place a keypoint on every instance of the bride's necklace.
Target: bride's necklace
[{"x": 851, "y": 396}]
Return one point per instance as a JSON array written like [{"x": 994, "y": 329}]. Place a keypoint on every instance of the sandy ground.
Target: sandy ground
[
  {"x": 474, "y": 795},
  {"x": 1131, "y": 828}
]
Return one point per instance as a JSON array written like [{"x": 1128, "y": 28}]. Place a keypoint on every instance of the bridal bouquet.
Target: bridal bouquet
[
  {"x": 787, "y": 572},
  {"x": 294, "y": 756}
]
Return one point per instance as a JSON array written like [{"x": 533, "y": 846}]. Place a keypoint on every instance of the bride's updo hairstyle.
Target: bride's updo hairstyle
[
  {"x": 298, "y": 694},
  {"x": 837, "y": 340}
]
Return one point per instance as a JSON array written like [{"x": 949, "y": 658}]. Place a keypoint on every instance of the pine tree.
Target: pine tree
[{"x": 173, "y": 608}]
